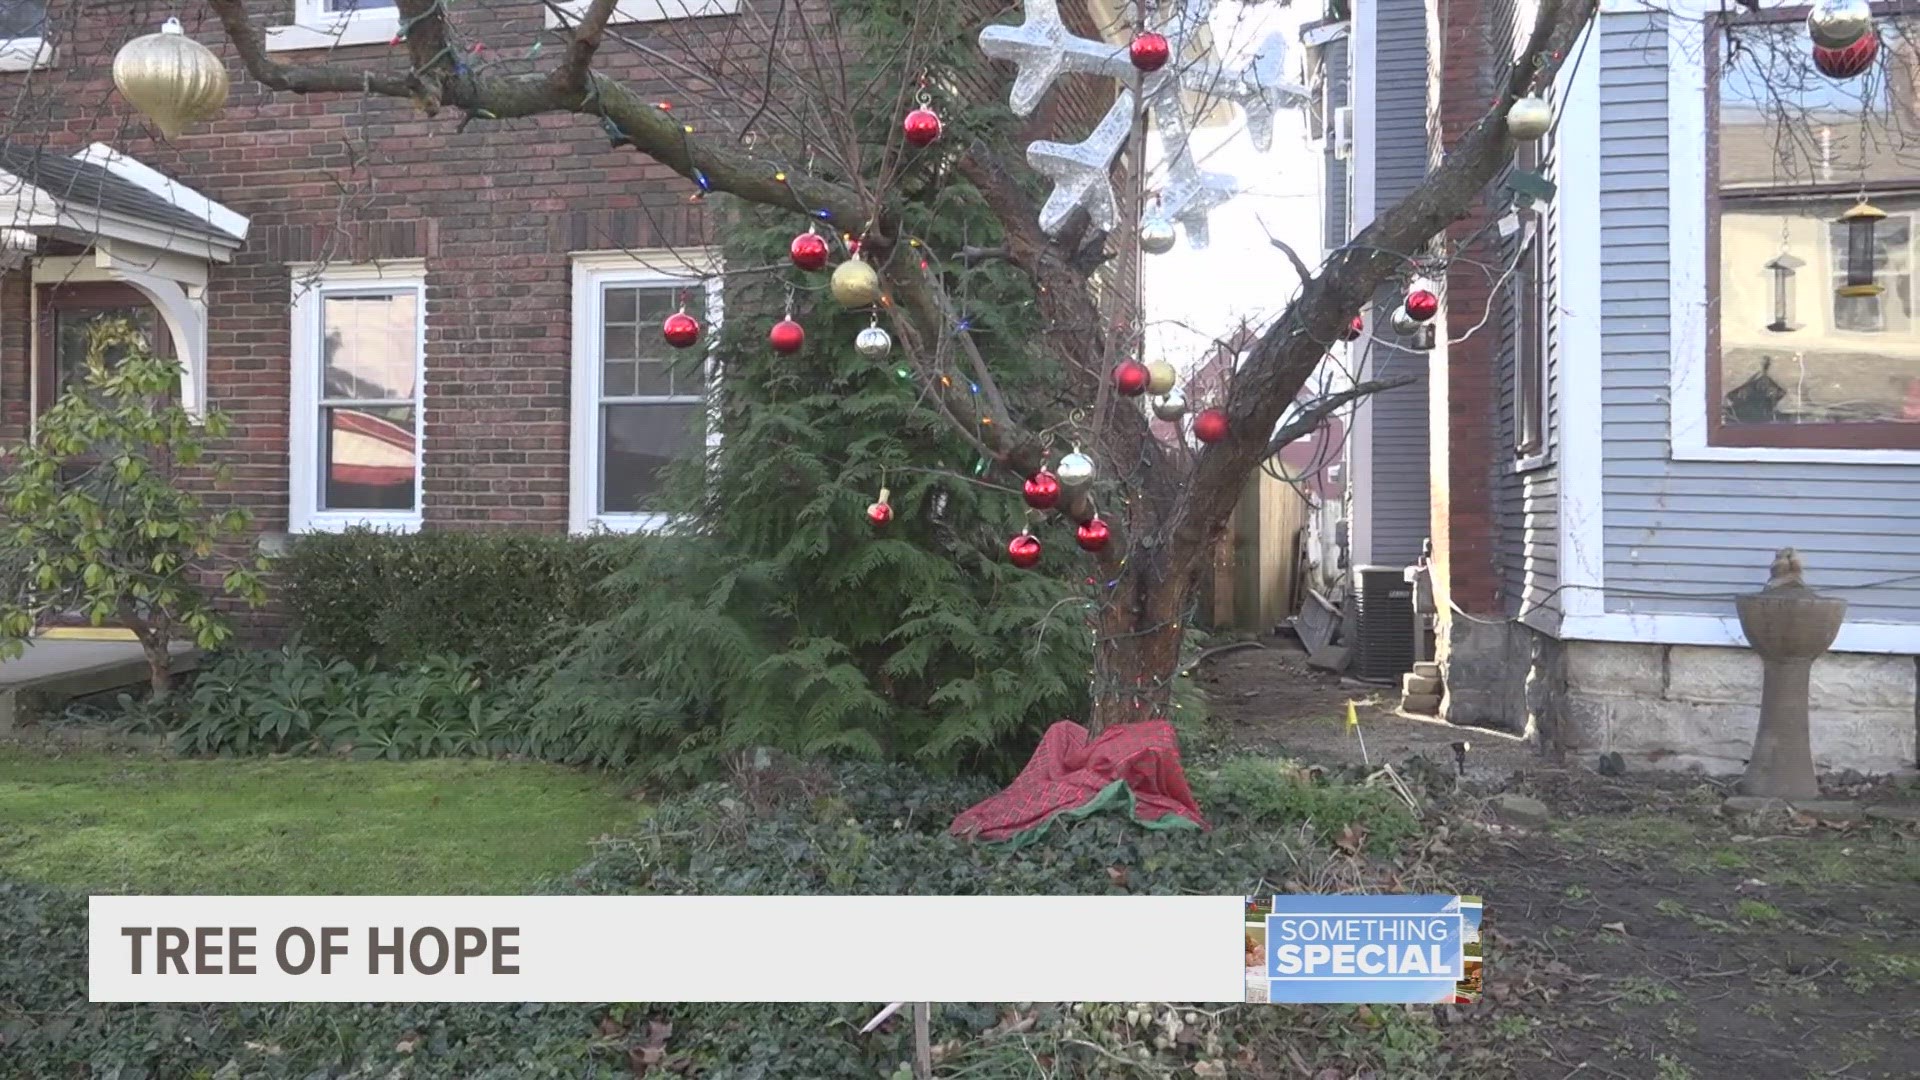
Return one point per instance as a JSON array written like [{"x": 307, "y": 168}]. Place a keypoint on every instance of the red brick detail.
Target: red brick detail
[{"x": 1466, "y": 531}]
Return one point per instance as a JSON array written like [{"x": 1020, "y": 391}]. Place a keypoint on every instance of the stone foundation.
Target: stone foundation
[
  {"x": 1689, "y": 706},
  {"x": 1484, "y": 666}
]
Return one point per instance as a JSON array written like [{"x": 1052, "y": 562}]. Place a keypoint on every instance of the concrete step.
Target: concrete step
[
  {"x": 1423, "y": 704},
  {"x": 1427, "y": 669},
  {"x": 54, "y": 671},
  {"x": 1419, "y": 684}
]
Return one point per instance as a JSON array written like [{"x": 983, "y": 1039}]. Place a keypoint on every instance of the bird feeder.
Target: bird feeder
[
  {"x": 1782, "y": 267},
  {"x": 1861, "y": 250}
]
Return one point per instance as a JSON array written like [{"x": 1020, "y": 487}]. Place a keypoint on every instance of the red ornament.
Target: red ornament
[
  {"x": 1210, "y": 426},
  {"x": 787, "y": 337},
  {"x": 1131, "y": 377},
  {"x": 680, "y": 329},
  {"x": 1024, "y": 551},
  {"x": 922, "y": 126},
  {"x": 1849, "y": 60},
  {"x": 1149, "y": 51},
  {"x": 1092, "y": 534},
  {"x": 1357, "y": 327},
  {"x": 1422, "y": 305},
  {"x": 880, "y": 513},
  {"x": 1042, "y": 490},
  {"x": 809, "y": 251}
]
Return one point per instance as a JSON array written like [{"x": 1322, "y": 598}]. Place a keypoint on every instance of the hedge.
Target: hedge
[{"x": 501, "y": 598}]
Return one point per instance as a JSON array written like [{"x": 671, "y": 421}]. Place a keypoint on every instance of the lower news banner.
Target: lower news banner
[{"x": 1363, "y": 949}]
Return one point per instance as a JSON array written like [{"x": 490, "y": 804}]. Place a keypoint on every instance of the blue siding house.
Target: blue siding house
[{"x": 1690, "y": 371}]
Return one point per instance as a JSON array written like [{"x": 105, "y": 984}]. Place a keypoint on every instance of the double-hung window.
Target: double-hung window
[
  {"x": 357, "y": 422},
  {"x": 566, "y": 12},
  {"x": 639, "y": 404},
  {"x": 1813, "y": 194},
  {"x": 24, "y": 41},
  {"x": 326, "y": 24}
]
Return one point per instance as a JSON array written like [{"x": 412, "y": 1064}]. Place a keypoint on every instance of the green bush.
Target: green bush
[{"x": 502, "y": 598}]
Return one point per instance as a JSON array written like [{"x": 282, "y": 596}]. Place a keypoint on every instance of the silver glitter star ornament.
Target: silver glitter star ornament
[{"x": 1044, "y": 49}]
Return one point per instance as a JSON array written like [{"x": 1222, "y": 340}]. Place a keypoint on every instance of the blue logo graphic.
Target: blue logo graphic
[{"x": 1369, "y": 949}]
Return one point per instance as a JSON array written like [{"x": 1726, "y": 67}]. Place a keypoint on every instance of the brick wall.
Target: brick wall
[
  {"x": 1463, "y": 68},
  {"x": 494, "y": 210}
]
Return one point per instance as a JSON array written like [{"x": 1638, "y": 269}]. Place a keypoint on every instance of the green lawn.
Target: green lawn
[{"x": 109, "y": 822}]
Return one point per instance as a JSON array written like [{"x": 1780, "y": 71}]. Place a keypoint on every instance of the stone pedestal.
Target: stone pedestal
[{"x": 1789, "y": 625}]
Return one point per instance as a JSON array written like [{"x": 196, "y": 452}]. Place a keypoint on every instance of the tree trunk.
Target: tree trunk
[
  {"x": 154, "y": 642},
  {"x": 1137, "y": 649}
]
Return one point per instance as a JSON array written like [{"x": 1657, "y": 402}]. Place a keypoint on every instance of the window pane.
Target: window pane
[
  {"x": 22, "y": 18},
  {"x": 636, "y": 442},
  {"x": 370, "y": 459},
  {"x": 1793, "y": 350},
  {"x": 358, "y": 5},
  {"x": 371, "y": 345},
  {"x": 630, "y": 330}
]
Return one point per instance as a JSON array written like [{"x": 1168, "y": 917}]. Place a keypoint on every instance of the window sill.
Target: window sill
[
  {"x": 1809, "y": 455},
  {"x": 26, "y": 54},
  {"x": 334, "y": 521},
  {"x": 626, "y": 524},
  {"x": 373, "y": 29},
  {"x": 1533, "y": 462},
  {"x": 633, "y": 11}
]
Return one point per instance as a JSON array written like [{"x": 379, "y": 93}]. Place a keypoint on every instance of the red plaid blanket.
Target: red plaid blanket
[{"x": 1073, "y": 775}]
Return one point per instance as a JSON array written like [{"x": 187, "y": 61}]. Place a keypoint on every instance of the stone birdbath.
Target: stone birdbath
[{"x": 1789, "y": 625}]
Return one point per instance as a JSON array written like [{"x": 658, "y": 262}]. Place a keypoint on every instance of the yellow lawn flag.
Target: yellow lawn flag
[{"x": 1353, "y": 718}]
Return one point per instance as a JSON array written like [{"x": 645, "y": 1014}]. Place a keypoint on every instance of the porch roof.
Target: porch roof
[{"x": 101, "y": 193}]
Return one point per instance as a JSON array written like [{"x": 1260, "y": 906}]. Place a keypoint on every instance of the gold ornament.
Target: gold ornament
[
  {"x": 1160, "y": 376},
  {"x": 855, "y": 284},
  {"x": 171, "y": 78},
  {"x": 1529, "y": 118}
]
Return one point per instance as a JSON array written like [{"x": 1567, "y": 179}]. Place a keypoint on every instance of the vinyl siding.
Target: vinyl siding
[
  {"x": 1681, "y": 535},
  {"x": 1401, "y": 512}
]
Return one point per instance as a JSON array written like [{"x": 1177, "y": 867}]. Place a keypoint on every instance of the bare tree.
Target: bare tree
[{"x": 781, "y": 82}]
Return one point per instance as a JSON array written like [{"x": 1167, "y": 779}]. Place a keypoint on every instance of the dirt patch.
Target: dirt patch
[{"x": 1640, "y": 933}]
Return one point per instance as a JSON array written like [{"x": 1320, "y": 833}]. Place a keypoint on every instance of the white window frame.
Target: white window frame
[
  {"x": 593, "y": 273},
  {"x": 26, "y": 53},
  {"x": 311, "y": 285},
  {"x": 567, "y": 12},
  {"x": 314, "y": 27}
]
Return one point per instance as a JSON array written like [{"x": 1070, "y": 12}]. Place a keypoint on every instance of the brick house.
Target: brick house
[
  {"x": 414, "y": 322},
  {"x": 1606, "y": 441}
]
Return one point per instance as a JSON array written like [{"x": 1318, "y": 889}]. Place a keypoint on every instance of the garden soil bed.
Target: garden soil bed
[{"x": 1640, "y": 932}]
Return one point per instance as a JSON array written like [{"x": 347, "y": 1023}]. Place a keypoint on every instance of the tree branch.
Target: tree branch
[
  {"x": 1315, "y": 414},
  {"x": 571, "y": 75}
]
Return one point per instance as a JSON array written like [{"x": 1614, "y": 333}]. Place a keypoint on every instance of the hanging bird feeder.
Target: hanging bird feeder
[
  {"x": 1861, "y": 249},
  {"x": 1782, "y": 266},
  {"x": 172, "y": 79}
]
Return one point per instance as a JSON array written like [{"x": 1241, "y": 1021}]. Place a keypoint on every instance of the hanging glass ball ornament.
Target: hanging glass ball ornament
[
  {"x": 1403, "y": 323},
  {"x": 787, "y": 337},
  {"x": 855, "y": 284},
  {"x": 874, "y": 342},
  {"x": 1042, "y": 490},
  {"x": 1075, "y": 471},
  {"x": 1836, "y": 24},
  {"x": 1529, "y": 118},
  {"x": 1160, "y": 376},
  {"x": 1846, "y": 62},
  {"x": 1357, "y": 327},
  {"x": 922, "y": 126},
  {"x": 1024, "y": 551},
  {"x": 1130, "y": 377},
  {"x": 1171, "y": 406},
  {"x": 808, "y": 250},
  {"x": 880, "y": 511},
  {"x": 681, "y": 330},
  {"x": 172, "y": 79},
  {"x": 1423, "y": 300},
  {"x": 1149, "y": 51},
  {"x": 1210, "y": 426},
  {"x": 1092, "y": 534},
  {"x": 1156, "y": 236}
]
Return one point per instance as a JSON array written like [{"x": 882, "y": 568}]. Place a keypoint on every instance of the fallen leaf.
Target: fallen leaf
[
  {"x": 1616, "y": 927},
  {"x": 1117, "y": 875},
  {"x": 1352, "y": 839}
]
